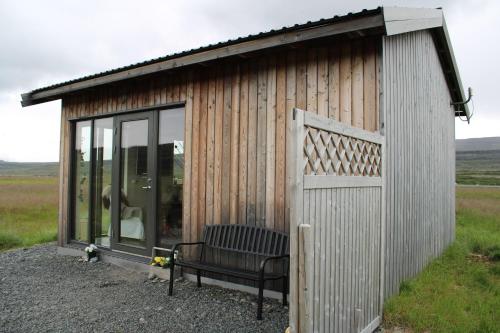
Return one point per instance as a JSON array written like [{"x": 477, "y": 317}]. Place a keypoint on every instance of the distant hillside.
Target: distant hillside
[
  {"x": 478, "y": 161},
  {"x": 29, "y": 168},
  {"x": 478, "y": 144}
]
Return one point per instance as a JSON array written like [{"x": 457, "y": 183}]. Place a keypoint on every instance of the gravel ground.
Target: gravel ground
[{"x": 41, "y": 291}]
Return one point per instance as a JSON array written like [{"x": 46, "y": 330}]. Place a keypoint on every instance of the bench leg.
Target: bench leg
[
  {"x": 285, "y": 289},
  {"x": 171, "y": 282},
  {"x": 198, "y": 278},
  {"x": 260, "y": 299}
]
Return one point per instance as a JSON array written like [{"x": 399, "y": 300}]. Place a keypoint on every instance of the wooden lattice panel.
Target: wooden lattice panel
[{"x": 329, "y": 153}]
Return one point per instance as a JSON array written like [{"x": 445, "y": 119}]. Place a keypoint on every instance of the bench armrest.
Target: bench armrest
[
  {"x": 177, "y": 245},
  {"x": 266, "y": 260}
]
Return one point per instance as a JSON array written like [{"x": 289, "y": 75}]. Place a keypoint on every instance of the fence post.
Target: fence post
[
  {"x": 296, "y": 215},
  {"x": 305, "y": 298}
]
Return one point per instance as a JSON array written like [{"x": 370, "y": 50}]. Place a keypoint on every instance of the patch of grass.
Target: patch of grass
[
  {"x": 459, "y": 291},
  {"x": 477, "y": 179},
  {"x": 405, "y": 287},
  {"x": 495, "y": 270},
  {"x": 28, "y": 211},
  {"x": 478, "y": 167},
  {"x": 29, "y": 169},
  {"x": 9, "y": 241}
]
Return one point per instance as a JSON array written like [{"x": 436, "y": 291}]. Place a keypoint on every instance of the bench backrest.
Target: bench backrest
[{"x": 246, "y": 239}]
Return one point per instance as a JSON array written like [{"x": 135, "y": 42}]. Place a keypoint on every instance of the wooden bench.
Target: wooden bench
[{"x": 270, "y": 244}]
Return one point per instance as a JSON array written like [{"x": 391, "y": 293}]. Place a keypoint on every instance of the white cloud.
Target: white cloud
[
  {"x": 45, "y": 43},
  {"x": 29, "y": 134}
]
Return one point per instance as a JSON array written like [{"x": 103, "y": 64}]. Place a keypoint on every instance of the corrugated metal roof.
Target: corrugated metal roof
[{"x": 309, "y": 24}]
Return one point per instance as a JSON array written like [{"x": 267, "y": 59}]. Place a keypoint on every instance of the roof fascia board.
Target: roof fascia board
[
  {"x": 362, "y": 23},
  {"x": 400, "y": 20},
  {"x": 453, "y": 62}
]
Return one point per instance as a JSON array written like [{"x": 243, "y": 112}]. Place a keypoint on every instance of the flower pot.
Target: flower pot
[{"x": 91, "y": 255}]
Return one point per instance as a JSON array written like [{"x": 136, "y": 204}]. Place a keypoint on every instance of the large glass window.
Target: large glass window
[
  {"x": 170, "y": 176},
  {"x": 103, "y": 163},
  {"x": 118, "y": 164},
  {"x": 82, "y": 156}
]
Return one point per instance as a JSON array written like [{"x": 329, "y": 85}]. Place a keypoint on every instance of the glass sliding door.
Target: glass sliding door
[
  {"x": 102, "y": 174},
  {"x": 170, "y": 176},
  {"x": 81, "y": 180}
]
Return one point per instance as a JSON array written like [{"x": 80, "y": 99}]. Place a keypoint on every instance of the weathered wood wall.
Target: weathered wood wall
[
  {"x": 238, "y": 114},
  {"x": 419, "y": 130}
]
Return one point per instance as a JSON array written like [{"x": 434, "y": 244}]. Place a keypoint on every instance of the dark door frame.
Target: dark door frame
[
  {"x": 68, "y": 226},
  {"x": 150, "y": 221}
]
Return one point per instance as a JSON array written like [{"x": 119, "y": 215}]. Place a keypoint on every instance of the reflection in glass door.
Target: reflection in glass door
[
  {"x": 133, "y": 191},
  {"x": 102, "y": 173},
  {"x": 134, "y": 181},
  {"x": 81, "y": 180},
  {"x": 170, "y": 176}
]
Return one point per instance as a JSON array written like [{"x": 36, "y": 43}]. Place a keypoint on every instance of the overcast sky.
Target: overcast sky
[{"x": 45, "y": 42}]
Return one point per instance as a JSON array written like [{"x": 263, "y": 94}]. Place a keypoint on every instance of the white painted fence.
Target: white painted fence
[{"x": 336, "y": 227}]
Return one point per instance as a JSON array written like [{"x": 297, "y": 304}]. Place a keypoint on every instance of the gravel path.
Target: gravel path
[{"x": 41, "y": 291}]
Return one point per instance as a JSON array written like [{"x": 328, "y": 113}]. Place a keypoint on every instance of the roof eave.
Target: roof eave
[
  {"x": 458, "y": 81},
  {"x": 399, "y": 20},
  {"x": 358, "y": 24},
  {"x": 392, "y": 20},
  {"x": 402, "y": 20}
]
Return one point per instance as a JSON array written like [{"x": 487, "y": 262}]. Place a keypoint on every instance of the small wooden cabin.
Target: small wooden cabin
[{"x": 152, "y": 152}]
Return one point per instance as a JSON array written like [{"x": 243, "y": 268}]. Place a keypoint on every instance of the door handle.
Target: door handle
[{"x": 146, "y": 187}]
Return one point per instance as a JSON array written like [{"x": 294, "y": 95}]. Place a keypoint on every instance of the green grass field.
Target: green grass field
[
  {"x": 460, "y": 291},
  {"x": 478, "y": 167},
  {"x": 478, "y": 178},
  {"x": 28, "y": 211},
  {"x": 25, "y": 169}
]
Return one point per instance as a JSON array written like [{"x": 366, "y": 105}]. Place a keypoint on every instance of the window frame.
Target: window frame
[{"x": 69, "y": 224}]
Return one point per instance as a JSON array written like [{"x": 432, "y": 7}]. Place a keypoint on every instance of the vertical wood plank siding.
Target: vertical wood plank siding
[
  {"x": 237, "y": 124},
  {"x": 420, "y": 155},
  {"x": 346, "y": 223}
]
